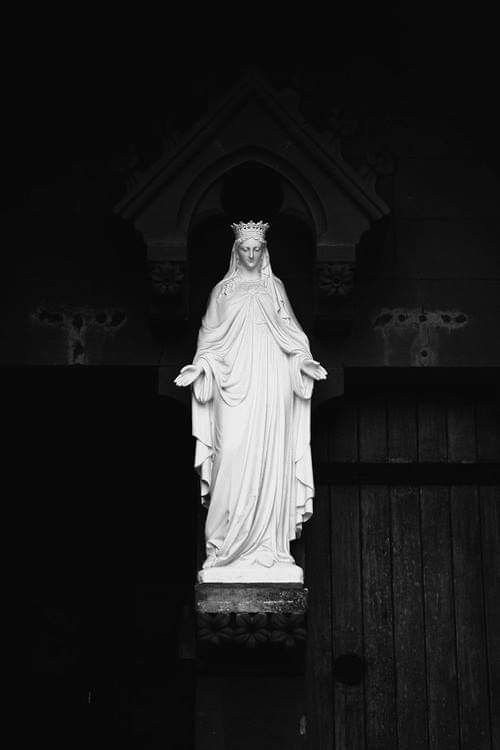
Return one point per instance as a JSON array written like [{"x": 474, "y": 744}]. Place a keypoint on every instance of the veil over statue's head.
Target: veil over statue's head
[{"x": 257, "y": 231}]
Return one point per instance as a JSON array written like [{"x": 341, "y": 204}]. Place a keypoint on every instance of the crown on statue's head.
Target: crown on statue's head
[{"x": 246, "y": 229}]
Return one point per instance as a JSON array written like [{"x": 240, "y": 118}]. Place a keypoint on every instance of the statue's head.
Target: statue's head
[
  {"x": 250, "y": 243},
  {"x": 250, "y": 252}
]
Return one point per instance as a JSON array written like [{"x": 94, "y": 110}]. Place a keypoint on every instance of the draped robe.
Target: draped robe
[{"x": 251, "y": 422}]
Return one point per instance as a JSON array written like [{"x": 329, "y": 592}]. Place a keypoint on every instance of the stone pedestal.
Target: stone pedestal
[
  {"x": 227, "y": 598},
  {"x": 250, "y": 665}
]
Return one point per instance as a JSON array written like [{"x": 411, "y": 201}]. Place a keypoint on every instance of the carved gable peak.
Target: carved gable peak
[{"x": 252, "y": 116}]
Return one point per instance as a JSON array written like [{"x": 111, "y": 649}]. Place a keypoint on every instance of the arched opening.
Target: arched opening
[
  {"x": 251, "y": 180},
  {"x": 252, "y": 191}
]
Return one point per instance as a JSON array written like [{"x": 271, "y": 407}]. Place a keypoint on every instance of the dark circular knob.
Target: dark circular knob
[{"x": 348, "y": 669}]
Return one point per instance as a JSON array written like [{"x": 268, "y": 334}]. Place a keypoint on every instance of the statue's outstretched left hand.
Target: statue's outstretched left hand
[
  {"x": 187, "y": 375},
  {"x": 313, "y": 368}
]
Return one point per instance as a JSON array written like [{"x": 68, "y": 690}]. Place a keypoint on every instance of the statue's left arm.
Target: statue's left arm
[
  {"x": 288, "y": 307},
  {"x": 308, "y": 365}
]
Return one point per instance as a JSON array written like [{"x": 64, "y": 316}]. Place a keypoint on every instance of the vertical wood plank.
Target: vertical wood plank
[
  {"x": 490, "y": 534},
  {"x": 343, "y": 433},
  {"x": 381, "y": 730},
  {"x": 488, "y": 431},
  {"x": 402, "y": 429},
  {"x": 320, "y": 730},
  {"x": 432, "y": 427},
  {"x": 461, "y": 431},
  {"x": 372, "y": 430},
  {"x": 469, "y": 609},
  {"x": 409, "y": 641},
  {"x": 347, "y": 613},
  {"x": 439, "y": 619},
  {"x": 319, "y": 680}
]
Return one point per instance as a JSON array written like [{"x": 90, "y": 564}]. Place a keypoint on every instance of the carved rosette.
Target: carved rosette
[
  {"x": 215, "y": 628},
  {"x": 167, "y": 277},
  {"x": 335, "y": 279},
  {"x": 334, "y": 298},
  {"x": 375, "y": 165},
  {"x": 251, "y": 630},
  {"x": 169, "y": 294}
]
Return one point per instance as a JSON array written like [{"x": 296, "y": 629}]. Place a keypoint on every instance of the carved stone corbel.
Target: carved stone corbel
[
  {"x": 167, "y": 270},
  {"x": 334, "y": 284},
  {"x": 245, "y": 616}
]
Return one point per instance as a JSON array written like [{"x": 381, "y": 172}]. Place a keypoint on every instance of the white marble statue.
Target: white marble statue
[{"x": 252, "y": 378}]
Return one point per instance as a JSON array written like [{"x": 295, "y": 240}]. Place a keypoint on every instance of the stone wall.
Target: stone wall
[{"x": 78, "y": 287}]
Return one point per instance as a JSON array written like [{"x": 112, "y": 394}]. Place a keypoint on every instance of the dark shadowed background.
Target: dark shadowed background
[{"x": 106, "y": 513}]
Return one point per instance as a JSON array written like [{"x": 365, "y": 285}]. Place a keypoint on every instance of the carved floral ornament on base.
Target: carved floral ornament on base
[
  {"x": 251, "y": 629},
  {"x": 252, "y": 379}
]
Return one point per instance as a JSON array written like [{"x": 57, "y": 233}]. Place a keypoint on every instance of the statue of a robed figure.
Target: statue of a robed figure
[{"x": 252, "y": 379}]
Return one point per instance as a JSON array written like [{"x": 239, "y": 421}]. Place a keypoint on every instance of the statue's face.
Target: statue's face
[{"x": 250, "y": 253}]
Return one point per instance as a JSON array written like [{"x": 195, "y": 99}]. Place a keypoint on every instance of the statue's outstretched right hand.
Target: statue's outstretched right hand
[
  {"x": 188, "y": 375},
  {"x": 313, "y": 368}
]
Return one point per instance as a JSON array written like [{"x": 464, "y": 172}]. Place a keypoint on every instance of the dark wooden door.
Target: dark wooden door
[{"x": 403, "y": 570}]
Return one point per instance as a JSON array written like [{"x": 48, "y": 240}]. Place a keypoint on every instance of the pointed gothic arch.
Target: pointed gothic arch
[
  {"x": 254, "y": 122},
  {"x": 314, "y": 211}
]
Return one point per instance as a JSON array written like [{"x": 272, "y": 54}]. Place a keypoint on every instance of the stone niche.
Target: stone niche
[
  {"x": 252, "y": 125},
  {"x": 183, "y": 206}
]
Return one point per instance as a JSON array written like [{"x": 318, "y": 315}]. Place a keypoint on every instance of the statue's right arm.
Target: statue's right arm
[{"x": 190, "y": 373}]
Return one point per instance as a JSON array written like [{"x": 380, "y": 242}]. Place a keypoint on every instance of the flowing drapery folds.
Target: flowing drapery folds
[{"x": 251, "y": 421}]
